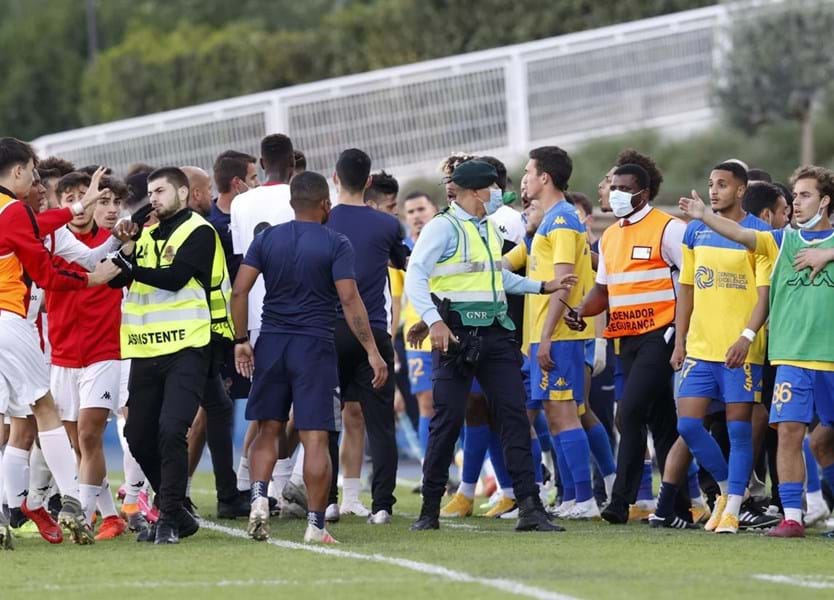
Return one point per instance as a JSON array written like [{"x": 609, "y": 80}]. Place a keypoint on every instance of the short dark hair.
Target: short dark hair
[
  {"x": 226, "y": 168},
  {"x": 581, "y": 200},
  {"x": 235, "y": 154},
  {"x": 54, "y": 163},
  {"x": 300, "y": 161},
  {"x": 420, "y": 194},
  {"x": 49, "y": 173},
  {"x": 382, "y": 184},
  {"x": 500, "y": 168},
  {"x": 738, "y": 171},
  {"x": 824, "y": 178},
  {"x": 759, "y": 196},
  {"x": 173, "y": 175},
  {"x": 13, "y": 152},
  {"x": 555, "y": 162},
  {"x": 138, "y": 168},
  {"x": 638, "y": 172},
  {"x": 630, "y": 156},
  {"x": 353, "y": 169},
  {"x": 307, "y": 190},
  {"x": 90, "y": 169},
  {"x": 117, "y": 186},
  {"x": 72, "y": 181},
  {"x": 787, "y": 193},
  {"x": 759, "y": 175},
  {"x": 277, "y": 155}
]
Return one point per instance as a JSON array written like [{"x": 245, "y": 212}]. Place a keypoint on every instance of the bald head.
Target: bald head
[{"x": 199, "y": 200}]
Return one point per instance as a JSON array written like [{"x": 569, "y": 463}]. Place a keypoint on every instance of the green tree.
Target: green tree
[{"x": 780, "y": 67}]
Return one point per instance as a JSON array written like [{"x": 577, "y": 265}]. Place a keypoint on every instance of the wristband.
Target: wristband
[
  {"x": 541, "y": 288},
  {"x": 77, "y": 209},
  {"x": 749, "y": 334},
  {"x": 241, "y": 340}
]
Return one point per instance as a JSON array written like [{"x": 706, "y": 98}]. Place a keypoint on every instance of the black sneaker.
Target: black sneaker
[
  {"x": 239, "y": 507},
  {"x": 167, "y": 531},
  {"x": 16, "y": 518},
  {"x": 753, "y": 519},
  {"x": 274, "y": 507},
  {"x": 532, "y": 516},
  {"x": 673, "y": 522},
  {"x": 426, "y": 522},
  {"x": 615, "y": 515},
  {"x": 189, "y": 506},
  {"x": 147, "y": 533},
  {"x": 54, "y": 506},
  {"x": 186, "y": 525}
]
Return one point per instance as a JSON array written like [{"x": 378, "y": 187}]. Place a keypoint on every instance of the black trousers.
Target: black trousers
[
  {"x": 355, "y": 376},
  {"x": 499, "y": 374},
  {"x": 165, "y": 392},
  {"x": 648, "y": 402},
  {"x": 601, "y": 400},
  {"x": 220, "y": 412}
]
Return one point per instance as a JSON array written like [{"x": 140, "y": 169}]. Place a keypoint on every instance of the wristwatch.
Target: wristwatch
[{"x": 241, "y": 340}]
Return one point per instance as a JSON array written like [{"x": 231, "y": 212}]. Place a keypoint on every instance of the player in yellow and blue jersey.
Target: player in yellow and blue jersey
[{"x": 719, "y": 359}]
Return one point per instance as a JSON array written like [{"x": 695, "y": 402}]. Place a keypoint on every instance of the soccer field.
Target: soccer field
[{"x": 467, "y": 558}]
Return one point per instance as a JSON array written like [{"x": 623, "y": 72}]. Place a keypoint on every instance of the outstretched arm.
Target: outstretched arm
[{"x": 695, "y": 208}]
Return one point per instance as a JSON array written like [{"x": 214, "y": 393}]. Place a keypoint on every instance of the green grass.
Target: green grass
[{"x": 590, "y": 560}]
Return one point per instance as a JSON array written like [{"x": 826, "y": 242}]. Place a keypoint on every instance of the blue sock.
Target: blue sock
[
  {"x": 741, "y": 456},
  {"x": 692, "y": 479},
  {"x": 496, "y": 456},
  {"x": 601, "y": 449},
  {"x": 259, "y": 489},
  {"x": 474, "y": 450},
  {"x": 536, "y": 449},
  {"x": 811, "y": 469},
  {"x": 828, "y": 475},
  {"x": 565, "y": 476},
  {"x": 316, "y": 518},
  {"x": 543, "y": 432},
  {"x": 423, "y": 433},
  {"x": 578, "y": 457},
  {"x": 791, "y": 494},
  {"x": 703, "y": 447},
  {"x": 645, "y": 491},
  {"x": 666, "y": 499}
]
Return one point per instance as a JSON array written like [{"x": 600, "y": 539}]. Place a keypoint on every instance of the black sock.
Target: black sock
[{"x": 666, "y": 500}]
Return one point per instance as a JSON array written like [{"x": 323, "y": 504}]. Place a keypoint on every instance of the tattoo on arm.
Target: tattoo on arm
[{"x": 360, "y": 329}]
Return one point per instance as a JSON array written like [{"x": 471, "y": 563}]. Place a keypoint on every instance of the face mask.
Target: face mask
[
  {"x": 812, "y": 222},
  {"x": 620, "y": 202},
  {"x": 496, "y": 201}
]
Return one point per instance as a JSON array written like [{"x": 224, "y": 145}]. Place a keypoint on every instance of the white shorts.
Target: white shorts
[
  {"x": 23, "y": 371},
  {"x": 95, "y": 386},
  {"x": 123, "y": 381}
]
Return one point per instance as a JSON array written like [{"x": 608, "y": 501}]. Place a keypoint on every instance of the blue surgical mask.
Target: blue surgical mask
[
  {"x": 496, "y": 201},
  {"x": 812, "y": 222}
]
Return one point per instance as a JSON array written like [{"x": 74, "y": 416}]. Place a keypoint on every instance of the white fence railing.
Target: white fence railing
[{"x": 650, "y": 73}]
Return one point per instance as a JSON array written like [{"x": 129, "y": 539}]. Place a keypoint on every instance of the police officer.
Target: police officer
[
  {"x": 457, "y": 259},
  {"x": 175, "y": 313}
]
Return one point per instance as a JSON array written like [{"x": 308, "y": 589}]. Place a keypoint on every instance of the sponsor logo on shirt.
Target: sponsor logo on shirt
[
  {"x": 803, "y": 278},
  {"x": 707, "y": 278},
  {"x": 704, "y": 278}
]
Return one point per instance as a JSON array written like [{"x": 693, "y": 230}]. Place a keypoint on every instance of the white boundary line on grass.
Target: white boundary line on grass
[
  {"x": 816, "y": 582},
  {"x": 504, "y": 585}
]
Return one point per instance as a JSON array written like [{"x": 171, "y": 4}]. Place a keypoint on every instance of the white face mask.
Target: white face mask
[
  {"x": 812, "y": 222},
  {"x": 621, "y": 202}
]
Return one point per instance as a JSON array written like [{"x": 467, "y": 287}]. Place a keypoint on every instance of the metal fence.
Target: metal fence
[{"x": 650, "y": 73}]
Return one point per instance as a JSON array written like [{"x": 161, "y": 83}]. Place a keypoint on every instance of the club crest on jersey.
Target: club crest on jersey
[
  {"x": 169, "y": 253},
  {"x": 704, "y": 277}
]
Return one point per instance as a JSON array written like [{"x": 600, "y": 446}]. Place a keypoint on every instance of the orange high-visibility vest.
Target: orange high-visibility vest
[
  {"x": 13, "y": 290},
  {"x": 641, "y": 292}
]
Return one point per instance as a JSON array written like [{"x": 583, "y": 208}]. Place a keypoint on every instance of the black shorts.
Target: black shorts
[
  {"x": 355, "y": 374},
  {"x": 768, "y": 379}
]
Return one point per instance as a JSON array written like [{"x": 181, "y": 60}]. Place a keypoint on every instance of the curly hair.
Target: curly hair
[
  {"x": 824, "y": 178},
  {"x": 630, "y": 156},
  {"x": 454, "y": 159}
]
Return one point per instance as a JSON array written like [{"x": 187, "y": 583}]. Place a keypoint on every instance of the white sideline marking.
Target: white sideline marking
[
  {"x": 817, "y": 582},
  {"x": 51, "y": 587},
  {"x": 504, "y": 585}
]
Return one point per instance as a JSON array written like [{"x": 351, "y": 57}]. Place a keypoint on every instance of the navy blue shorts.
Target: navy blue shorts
[{"x": 298, "y": 371}]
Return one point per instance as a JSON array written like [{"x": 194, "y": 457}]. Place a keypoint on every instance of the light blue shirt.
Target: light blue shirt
[{"x": 438, "y": 241}]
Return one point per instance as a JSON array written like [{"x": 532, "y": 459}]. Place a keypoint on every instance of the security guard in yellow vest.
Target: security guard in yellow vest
[
  {"x": 456, "y": 283},
  {"x": 176, "y": 310}
]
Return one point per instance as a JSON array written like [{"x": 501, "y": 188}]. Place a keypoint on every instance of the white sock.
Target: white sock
[
  {"x": 106, "y": 504},
  {"x": 467, "y": 489},
  {"x": 88, "y": 497},
  {"x": 2, "y": 485},
  {"x": 815, "y": 498},
  {"x": 61, "y": 460},
  {"x": 188, "y": 488},
  {"x": 508, "y": 493},
  {"x": 297, "y": 476},
  {"x": 723, "y": 486},
  {"x": 243, "y": 474},
  {"x": 16, "y": 475},
  {"x": 608, "y": 480},
  {"x": 350, "y": 489},
  {"x": 793, "y": 514},
  {"x": 39, "y": 479},
  {"x": 134, "y": 478},
  {"x": 281, "y": 473},
  {"x": 543, "y": 494},
  {"x": 733, "y": 505}
]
